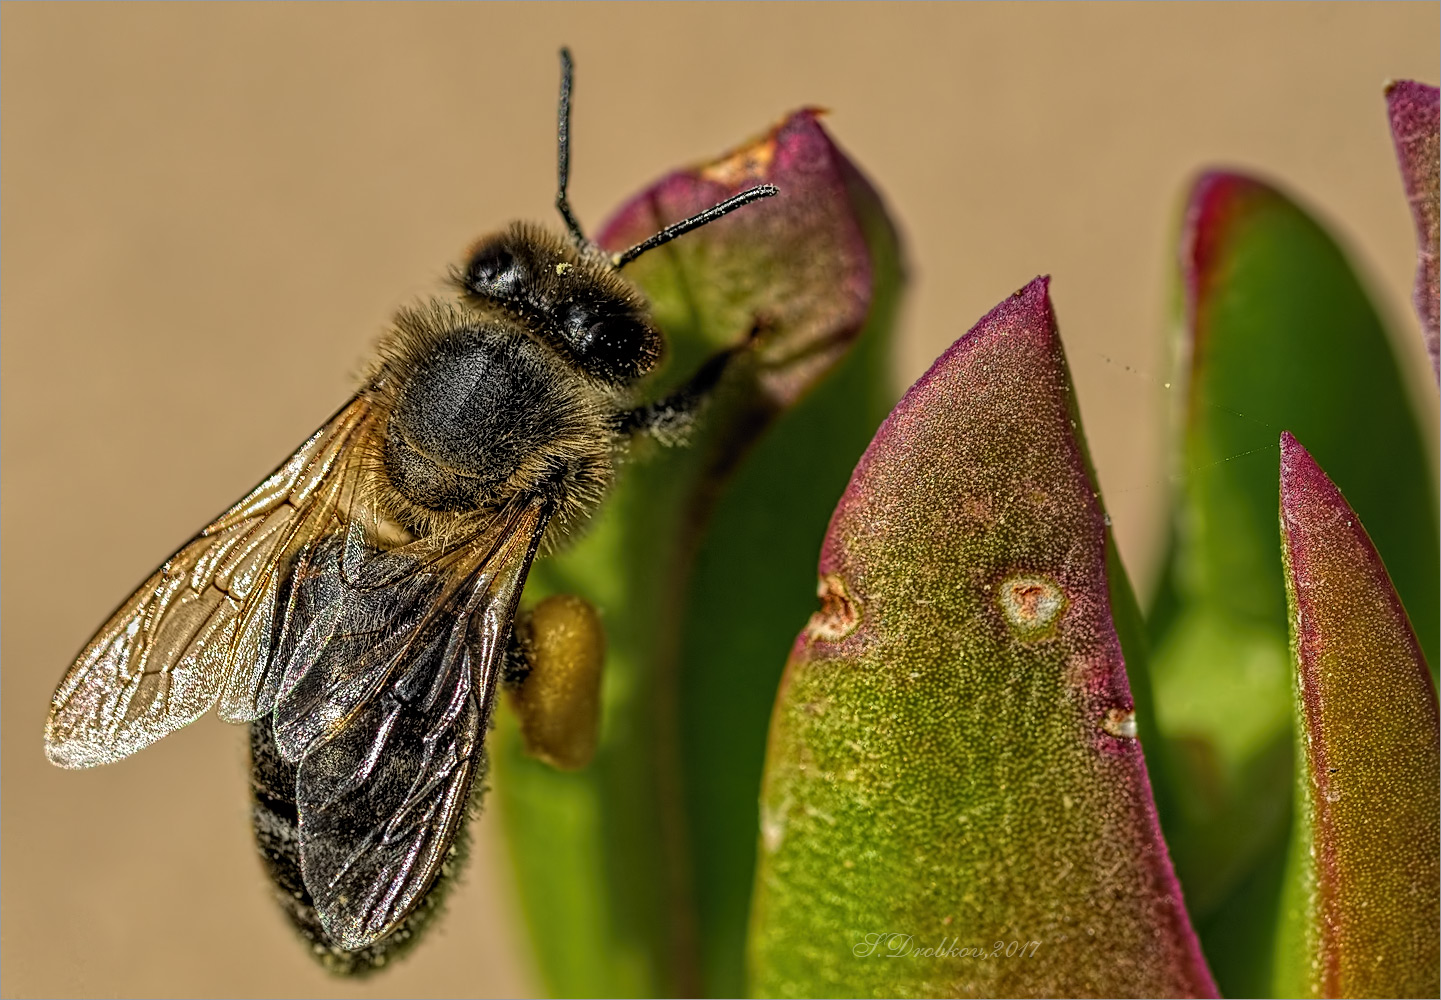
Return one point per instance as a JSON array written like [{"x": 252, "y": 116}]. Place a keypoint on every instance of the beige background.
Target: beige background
[{"x": 209, "y": 212}]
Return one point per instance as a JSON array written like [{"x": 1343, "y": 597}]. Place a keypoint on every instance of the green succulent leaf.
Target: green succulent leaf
[
  {"x": 1276, "y": 332},
  {"x": 1415, "y": 113},
  {"x": 1365, "y": 880},
  {"x": 955, "y": 802},
  {"x": 635, "y": 873}
]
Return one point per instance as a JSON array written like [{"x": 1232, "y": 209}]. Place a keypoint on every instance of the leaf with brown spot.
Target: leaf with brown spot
[{"x": 955, "y": 803}]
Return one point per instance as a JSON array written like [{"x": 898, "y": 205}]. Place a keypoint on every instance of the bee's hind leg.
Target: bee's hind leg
[{"x": 515, "y": 666}]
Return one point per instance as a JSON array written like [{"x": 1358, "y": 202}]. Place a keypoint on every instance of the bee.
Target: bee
[{"x": 358, "y": 608}]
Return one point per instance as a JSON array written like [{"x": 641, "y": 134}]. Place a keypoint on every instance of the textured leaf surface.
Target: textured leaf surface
[
  {"x": 635, "y": 873},
  {"x": 1277, "y": 332},
  {"x": 1363, "y": 913},
  {"x": 1415, "y": 113},
  {"x": 955, "y": 803}
]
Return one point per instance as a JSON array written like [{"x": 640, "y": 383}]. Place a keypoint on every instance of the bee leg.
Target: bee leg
[
  {"x": 670, "y": 420},
  {"x": 552, "y": 675},
  {"x": 515, "y": 666}
]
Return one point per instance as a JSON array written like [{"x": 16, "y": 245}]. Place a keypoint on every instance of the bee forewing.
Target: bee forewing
[
  {"x": 381, "y": 797},
  {"x": 198, "y": 626}
]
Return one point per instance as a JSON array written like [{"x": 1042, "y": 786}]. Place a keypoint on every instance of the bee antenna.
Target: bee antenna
[
  {"x": 694, "y": 222},
  {"x": 562, "y": 135}
]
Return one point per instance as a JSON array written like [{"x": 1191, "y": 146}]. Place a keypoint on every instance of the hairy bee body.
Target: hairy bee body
[
  {"x": 275, "y": 822},
  {"x": 517, "y": 388},
  {"x": 474, "y": 406},
  {"x": 357, "y": 607}
]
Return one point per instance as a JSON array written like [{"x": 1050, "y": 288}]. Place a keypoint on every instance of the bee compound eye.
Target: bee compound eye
[
  {"x": 618, "y": 347},
  {"x": 615, "y": 348},
  {"x": 494, "y": 271}
]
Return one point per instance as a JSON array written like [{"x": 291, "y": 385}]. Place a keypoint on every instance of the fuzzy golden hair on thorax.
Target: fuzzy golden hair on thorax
[{"x": 473, "y": 410}]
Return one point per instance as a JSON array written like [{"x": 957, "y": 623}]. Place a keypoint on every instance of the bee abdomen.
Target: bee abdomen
[{"x": 276, "y": 823}]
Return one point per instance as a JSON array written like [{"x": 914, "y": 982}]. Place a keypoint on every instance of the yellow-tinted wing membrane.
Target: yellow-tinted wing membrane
[{"x": 196, "y": 631}]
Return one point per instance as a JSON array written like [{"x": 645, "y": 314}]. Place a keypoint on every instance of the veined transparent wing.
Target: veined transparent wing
[
  {"x": 390, "y": 662},
  {"x": 197, "y": 631}
]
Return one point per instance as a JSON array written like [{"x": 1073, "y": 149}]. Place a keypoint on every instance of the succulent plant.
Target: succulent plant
[
  {"x": 635, "y": 873},
  {"x": 984, "y": 769}
]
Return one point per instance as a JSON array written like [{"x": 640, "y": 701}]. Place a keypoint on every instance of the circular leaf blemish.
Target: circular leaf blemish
[
  {"x": 1120, "y": 722},
  {"x": 839, "y": 615},
  {"x": 1032, "y": 605},
  {"x": 773, "y": 825}
]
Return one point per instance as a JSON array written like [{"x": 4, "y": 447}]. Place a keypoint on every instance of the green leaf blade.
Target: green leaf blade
[
  {"x": 1365, "y": 869},
  {"x": 953, "y": 760},
  {"x": 1276, "y": 332},
  {"x": 1282, "y": 334}
]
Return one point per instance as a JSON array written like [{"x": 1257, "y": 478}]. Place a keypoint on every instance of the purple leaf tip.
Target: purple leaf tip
[{"x": 1415, "y": 113}]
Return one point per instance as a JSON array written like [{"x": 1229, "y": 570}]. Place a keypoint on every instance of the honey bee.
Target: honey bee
[{"x": 357, "y": 608}]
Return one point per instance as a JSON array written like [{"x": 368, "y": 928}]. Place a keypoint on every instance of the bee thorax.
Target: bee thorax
[{"x": 477, "y": 413}]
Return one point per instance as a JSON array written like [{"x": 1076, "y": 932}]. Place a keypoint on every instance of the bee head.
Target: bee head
[
  {"x": 573, "y": 299},
  {"x": 572, "y": 295}
]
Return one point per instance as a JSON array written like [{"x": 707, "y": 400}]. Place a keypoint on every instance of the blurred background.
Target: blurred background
[{"x": 210, "y": 211}]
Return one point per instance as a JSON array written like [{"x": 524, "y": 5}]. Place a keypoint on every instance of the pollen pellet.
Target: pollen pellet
[{"x": 559, "y": 701}]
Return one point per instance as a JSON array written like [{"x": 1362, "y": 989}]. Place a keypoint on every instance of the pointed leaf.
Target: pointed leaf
[
  {"x": 1364, "y": 899},
  {"x": 1277, "y": 331},
  {"x": 953, "y": 776},
  {"x": 620, "y": 865},
  {"x": 1415, "y": 113}
]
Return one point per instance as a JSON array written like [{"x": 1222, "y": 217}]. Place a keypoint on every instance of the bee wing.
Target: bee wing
[
  {"x": 197, "y": 629},
  {"x": 385, "y": 705}
]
